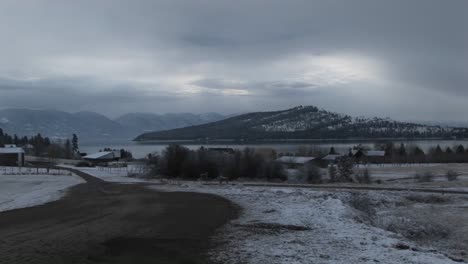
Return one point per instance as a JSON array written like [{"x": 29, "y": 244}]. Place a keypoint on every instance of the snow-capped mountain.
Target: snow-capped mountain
[
  {"x": 90, "y": 126},
  {"x": 144, "y": 122},
  {"x": 304, "y": 122}
]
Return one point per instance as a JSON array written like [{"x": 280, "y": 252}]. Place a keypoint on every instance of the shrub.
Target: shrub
[
  {"x": 452, "y": 175},
  {"x": 427, "y": 199},
  {"x": 345, "y": 169},
  {"x": 425, "y": 177},
  {"x": 83, "y": 163},
  {"x": 362, "y": 202},
  {"x": 332, "y": 173},
  {"x": 274, "y": 171},
  {"x": 364, "y": 177},
  {"x": 312, "y": 173}
]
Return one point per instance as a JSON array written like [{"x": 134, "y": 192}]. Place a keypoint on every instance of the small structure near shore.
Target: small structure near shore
[
  {"x": 295, "y": 162},
  {"x": 11, "y": 155},
  {"x": 103, "y": 156},
  {"x": 332, "y": 158}
]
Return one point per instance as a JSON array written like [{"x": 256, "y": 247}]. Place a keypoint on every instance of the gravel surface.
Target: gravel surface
[{"x": 99, "y": 222}]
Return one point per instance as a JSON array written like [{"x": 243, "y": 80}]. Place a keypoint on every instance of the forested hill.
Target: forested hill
[{"x": 303, "y": 122}]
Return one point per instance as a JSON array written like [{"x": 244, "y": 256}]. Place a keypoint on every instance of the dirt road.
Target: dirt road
[{"x": 99, "y": 222}]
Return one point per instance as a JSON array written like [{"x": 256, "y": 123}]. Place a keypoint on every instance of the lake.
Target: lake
[{"x": 140, "y": 150}]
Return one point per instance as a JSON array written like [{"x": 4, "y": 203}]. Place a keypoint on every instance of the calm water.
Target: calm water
[{"x": 140, "y": 150}]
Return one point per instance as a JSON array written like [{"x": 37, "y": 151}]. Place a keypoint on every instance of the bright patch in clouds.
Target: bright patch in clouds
[{"x": 333, "y": 69}]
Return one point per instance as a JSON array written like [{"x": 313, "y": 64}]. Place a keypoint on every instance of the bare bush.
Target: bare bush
[
  {"x": 452, "y": 175},
  {"x": 425, "y": 177},
  {"x": 364, "y": 177},
  {"x": 83, "y": 163},
  {"x": 274, "y": 171},
  {"x": 345, "y": 169},
  {"x": 312, "y": 173},
  {"x": 332, "y": 173},
  {"x": 427, "y": 199},
  {"x": 363, "y": 203}
]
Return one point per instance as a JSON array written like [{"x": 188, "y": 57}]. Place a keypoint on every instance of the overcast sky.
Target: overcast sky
[{"x": 399, "y": 58}]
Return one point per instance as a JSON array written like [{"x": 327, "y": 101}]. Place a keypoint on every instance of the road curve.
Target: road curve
[{"x": 100, "y": 222}]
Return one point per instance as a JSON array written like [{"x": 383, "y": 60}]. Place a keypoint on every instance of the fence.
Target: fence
[{"x": 5, "y": 170}]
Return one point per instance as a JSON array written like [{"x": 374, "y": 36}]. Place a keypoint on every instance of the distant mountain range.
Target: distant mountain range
[
  {"x": 90, "y": 126},
  {"x": 307, "y": 122}
]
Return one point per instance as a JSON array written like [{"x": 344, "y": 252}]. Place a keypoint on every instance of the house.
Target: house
[
  {"x": 294, "y": 162},
  {"x": 375, "y": 156},
  {"x": 375, "y": 153},
  {"x": 370, "y": 156},
  {"x": 222, "y": 150},
  {"x": 332, "y": 157},
  {"x": 10, "y": 155},
  {"x": 103, "y": 156}
]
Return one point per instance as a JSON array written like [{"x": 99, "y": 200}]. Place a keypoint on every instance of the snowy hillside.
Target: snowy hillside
[{"x": 304, "y": 122}]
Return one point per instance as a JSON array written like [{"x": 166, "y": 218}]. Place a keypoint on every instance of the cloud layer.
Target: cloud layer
[{"x": 404, "y": 59}]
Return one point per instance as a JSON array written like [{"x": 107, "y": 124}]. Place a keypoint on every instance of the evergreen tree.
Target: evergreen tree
[
  {"x": 75, "y": 144},
  {"x": 402, "y": 150},
  {"x": 460, "y": 149},
  {"x": 448, "y": 150}
]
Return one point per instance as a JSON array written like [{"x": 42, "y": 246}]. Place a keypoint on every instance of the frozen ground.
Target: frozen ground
[
  {"x": 24, "y": 188},
  {"x": 292, "y": 225}
]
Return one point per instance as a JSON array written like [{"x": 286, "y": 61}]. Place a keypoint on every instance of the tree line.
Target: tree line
[
  {"x": 401, "y": 153},
  {"x": 180, "y": 162},
  {"x": 42, "y": 146}
]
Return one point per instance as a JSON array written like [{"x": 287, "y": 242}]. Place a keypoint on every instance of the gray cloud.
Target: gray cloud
[{"x": 362, "y": 57}]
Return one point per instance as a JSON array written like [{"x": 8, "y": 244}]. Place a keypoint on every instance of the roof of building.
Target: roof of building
[
  {"x": 332, "y": 156},
  {"x": 101, "y": 155},
  {"x": 375, "y": 153},
  {"x": 295, "y": 160},
  {"x": 11, "y": 150}
]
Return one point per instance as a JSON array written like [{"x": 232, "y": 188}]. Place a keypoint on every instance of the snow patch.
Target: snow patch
[
  {"x": 329, "y": 232},
  {"x": 20, "y": 191}
]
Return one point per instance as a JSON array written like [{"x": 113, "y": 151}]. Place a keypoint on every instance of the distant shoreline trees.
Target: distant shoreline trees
[
  {"x": 41, "y": 146},
  {"x": 180, "y": 162}
]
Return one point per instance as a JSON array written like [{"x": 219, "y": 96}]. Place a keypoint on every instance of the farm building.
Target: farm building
[
  {"x": 375, "y": 156},
  {"x": 295, "y": 162},
  {"x": 11, "y": 155},
  {"x": 222, "y": 150},
  {"x": 103, "y": 156},
  {"x": 332, "y": 157},
  {"x": 370, "y": 156}
]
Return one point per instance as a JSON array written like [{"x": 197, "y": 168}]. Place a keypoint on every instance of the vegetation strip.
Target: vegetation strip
[{"x": 390, "y": 189}]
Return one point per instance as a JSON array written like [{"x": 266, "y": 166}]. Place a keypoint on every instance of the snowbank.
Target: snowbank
[
  {"x": 19, "y": 191},
  {"x": 292, "y": 225}
]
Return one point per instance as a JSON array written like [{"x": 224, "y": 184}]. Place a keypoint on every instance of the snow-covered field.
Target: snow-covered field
[
  {"x": 292, "y": 225},
  {"x": 301, "y": 225},
  {"x": 395, "y": 171},
  {"x": 23, "y": 188}
]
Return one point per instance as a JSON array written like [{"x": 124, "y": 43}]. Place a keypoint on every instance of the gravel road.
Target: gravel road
[{"x": 100, "y": 222}]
